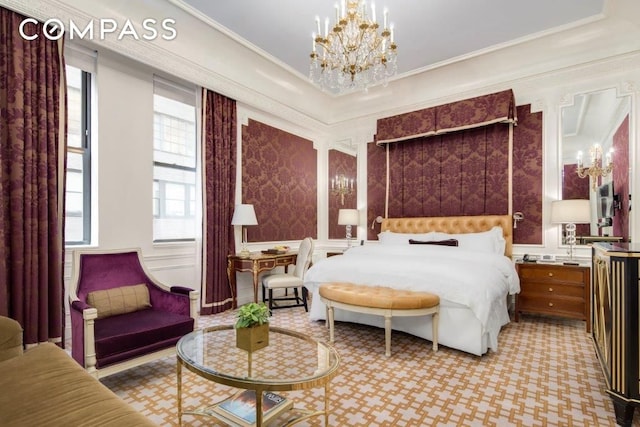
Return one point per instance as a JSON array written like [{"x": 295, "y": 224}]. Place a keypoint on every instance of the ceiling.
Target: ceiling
[{"x": 429, "y": 33}]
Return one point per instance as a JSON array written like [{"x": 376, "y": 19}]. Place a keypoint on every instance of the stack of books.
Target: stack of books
[{"x": 240, "y": 409}]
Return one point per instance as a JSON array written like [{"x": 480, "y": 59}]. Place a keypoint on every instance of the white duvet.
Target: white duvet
[{"x": 475, "y": 280}]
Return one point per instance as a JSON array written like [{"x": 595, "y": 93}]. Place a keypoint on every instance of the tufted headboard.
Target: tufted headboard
[{"x": 453, "y": 225}]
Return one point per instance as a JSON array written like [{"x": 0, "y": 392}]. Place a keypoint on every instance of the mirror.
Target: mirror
[
  {"x": 343, "y": 188},
  {"x": 598, "y": 119}
]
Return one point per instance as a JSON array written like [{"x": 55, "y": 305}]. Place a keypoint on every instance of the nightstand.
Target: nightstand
[{"x": 554, "y": 289}]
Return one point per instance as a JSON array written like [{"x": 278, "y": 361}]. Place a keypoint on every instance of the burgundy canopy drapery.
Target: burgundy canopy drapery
[
  {"x": 499, "y": 107},
  {"x": 32, "y": 159},
  {"x": 218, "y": 183}
]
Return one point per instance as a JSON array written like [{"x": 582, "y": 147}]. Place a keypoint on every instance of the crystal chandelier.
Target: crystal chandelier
[
  {"x": 342, "y": 186},
  {"x": 351, "y": 54},
  {"x": 596, "y": 169}
]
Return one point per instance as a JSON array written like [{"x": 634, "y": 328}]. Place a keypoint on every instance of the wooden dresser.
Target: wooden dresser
[
  {"x": 616, "y": 323},
  {"x": 554, "y": 289}
]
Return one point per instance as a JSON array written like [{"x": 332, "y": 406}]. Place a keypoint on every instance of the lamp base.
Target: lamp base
[{"x": 244, "y": 253}]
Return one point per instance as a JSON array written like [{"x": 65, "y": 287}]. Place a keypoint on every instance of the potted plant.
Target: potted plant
[{"x": 252, "y": 326}]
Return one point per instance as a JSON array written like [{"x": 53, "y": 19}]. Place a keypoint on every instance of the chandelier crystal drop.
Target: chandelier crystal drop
[{"x": 352, "y": 54}]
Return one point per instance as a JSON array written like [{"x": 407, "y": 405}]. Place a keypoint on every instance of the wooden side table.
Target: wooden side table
[
  {"x": 256, "y": 264},
  {"x": 554, "y": 289}
]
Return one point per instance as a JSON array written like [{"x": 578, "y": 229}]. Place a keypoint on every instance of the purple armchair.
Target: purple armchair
[{"x": 105, "y": 343}]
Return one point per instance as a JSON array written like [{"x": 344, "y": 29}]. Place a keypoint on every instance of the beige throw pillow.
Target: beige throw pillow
[{"x": 125, "y": 299}]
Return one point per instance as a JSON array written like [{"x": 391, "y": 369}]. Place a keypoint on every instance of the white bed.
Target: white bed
[{"x": 472, "y": 280}]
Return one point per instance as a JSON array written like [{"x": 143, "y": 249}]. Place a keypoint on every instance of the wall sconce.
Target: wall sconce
[
  {"x": 517, "y": 217},
  {"x": 348, "y": 217},
  {"x": 378, "y": 220},
  {"x": 341, "y": 186},
  {"x": 596, "y": 169}
]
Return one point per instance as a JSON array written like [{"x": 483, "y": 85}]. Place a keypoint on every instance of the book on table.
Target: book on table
[{"x": 241, "y": 407}]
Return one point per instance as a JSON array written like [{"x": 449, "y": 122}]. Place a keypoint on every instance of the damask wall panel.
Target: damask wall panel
[
  {"x": 527, "y": 176},
  {"x": 279, "y": 177},
  {"x": 621, "y": 179},
  {"x": 574, "y": 187},
  {"x": 461, "y": 173},
  {"x": 345, "y": 164},
  {"x": 376, "y": 178},
  {"x": 450, "y": 174}
]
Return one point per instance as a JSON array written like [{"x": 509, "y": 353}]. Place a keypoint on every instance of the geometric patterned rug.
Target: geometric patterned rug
[{"x": 545, "y": 373}]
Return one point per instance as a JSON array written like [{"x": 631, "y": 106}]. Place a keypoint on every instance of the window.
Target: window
[
  {"x": 174, "y": 160},
  {"x": 78, "y": 185}
]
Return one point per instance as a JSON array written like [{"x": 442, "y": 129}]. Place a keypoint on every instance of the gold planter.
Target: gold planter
[{"x": 253, "y": 338}]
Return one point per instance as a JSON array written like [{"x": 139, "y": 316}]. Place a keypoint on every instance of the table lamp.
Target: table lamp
[
  {"x": 244, "y": 215},
  {"x": 348, "y": 217},
  {"x": 570, "y": 213}
]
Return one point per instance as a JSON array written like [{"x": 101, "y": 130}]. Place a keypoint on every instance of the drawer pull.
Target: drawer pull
[
  {"x": 550, "y": 304},
  {"x": 550, "y": 274},
  {"x": 550, "y": 289}
]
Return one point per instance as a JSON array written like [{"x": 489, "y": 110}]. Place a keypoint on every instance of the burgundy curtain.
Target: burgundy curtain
[
  {"x": 219, "y": 183},
  {"x": 32, "y": 146}
]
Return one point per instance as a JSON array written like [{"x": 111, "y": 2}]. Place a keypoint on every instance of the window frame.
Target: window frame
[
  {"x": 85, "y": 151},
  {"x": 187, "y": 94}
]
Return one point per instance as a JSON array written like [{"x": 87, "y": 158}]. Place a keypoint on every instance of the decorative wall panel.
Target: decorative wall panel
[
  {"x": 527, "y": 176},
  {"x": 279, "y": 177},
  {"x": 621, "y": 179},
  {"x": 376, "y": 179},
  {"x": 345, "y": 164},
  {"x": 574, "y": 187}
]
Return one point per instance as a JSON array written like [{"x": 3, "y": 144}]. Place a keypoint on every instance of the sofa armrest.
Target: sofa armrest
[{"x": 10, "y": 338}]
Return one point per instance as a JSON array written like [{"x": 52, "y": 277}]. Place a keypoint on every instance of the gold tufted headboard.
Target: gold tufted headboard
[{"x": 453, "y": 225}]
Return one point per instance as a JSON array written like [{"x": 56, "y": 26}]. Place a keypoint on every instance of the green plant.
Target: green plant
[{"x": 251, "y": 314}]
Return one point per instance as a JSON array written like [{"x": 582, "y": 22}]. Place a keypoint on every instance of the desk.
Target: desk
[{"x": 256, "y": 264}]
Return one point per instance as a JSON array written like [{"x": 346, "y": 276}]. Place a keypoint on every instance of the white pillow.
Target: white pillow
[
  {"x": 491, "y": 241},
  {"x": 391, "y": 238}
]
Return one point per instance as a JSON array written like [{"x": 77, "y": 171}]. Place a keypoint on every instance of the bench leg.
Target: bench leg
[
  {"x": 387, "y": 335},
  {"x": 330, "y": 320},
  {"x": 434, "y": 332}
]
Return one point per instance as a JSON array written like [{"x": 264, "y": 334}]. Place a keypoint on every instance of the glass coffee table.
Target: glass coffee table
[{"x": 291, "y": 361}]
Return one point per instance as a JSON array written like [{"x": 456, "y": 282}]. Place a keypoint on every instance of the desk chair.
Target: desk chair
[{"x": 290, "y": 281}]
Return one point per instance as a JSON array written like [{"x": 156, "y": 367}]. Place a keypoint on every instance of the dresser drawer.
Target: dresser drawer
[
  {"x": 552, "y": 289},
  {"x": 570, "y": 307},
  {"x": 546, "y": 273}
]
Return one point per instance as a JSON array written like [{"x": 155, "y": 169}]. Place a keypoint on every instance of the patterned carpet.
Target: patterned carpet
[{"x": 544, "y": 374}]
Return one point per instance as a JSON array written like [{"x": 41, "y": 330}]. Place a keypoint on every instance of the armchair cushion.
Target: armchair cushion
[
  {"x": 124, "y": 336},
  {"x": 120, "y": 300},
  {"x": 10, "y": 338}
]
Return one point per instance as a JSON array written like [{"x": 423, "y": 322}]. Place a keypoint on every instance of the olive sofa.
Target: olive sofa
[{"x": 44, "y": 386}]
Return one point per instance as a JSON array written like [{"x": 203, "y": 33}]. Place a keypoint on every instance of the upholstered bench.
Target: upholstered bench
[{"x": 379, "y": 300}]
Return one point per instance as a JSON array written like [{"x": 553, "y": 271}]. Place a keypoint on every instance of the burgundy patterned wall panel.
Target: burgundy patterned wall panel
[
  {"x": 345, "y": 164},
  {"x": 527, "y": 176},
  {"x": 574, "y": 187},
  {"x": 621, "y": 179},
  {"x": 460, "y": 173},
  {"x": 376, "y": 176},
  {"x": 279, "y": 177}
]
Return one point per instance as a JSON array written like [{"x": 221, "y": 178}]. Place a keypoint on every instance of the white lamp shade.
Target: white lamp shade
[
  {"x": 348, "y": 217},
  {"x": 576, "y": 211},
  {"x": 244, "y": 215}
]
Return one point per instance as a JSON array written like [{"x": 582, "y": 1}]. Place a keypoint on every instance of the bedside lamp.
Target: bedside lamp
[
  {"x": 571, "y": 212},
  {"x": 348, "y": 217},
  {"x": 244, "y": 215}
]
